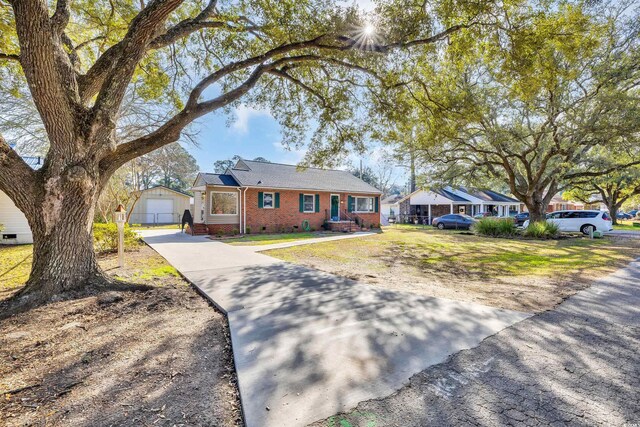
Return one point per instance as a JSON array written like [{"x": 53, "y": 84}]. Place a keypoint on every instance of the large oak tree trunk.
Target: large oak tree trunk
[
  {"x": 64, "y": 259},
  {"x": 61, "y": 221},
  {"x": 537, "y": 207},
  {"x": 613, "y": 211}
]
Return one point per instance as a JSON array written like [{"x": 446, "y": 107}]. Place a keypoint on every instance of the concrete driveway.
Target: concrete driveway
[{"x": 308, "y": 344}]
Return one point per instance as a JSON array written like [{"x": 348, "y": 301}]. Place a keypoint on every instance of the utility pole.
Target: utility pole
[{"x": 360, "y": 168}]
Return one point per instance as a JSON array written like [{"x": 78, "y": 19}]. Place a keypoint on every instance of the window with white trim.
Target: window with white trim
[
  {"x": 364, "y": 204},
  {"x": 308, "y": 203},
  {"x": 224, "y": 203},
  {"x": 268, "y": 200}
]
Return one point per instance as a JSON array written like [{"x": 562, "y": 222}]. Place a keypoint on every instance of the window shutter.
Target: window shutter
[
  {"x": 376, "y": 204},
  {"x": 350, "y": 204},
  {"x": 317, "y": 203},
  {"x": 277, "y": 203},
  {"x": 260, "y": 200},
  {"x": 301, "y": 202}
]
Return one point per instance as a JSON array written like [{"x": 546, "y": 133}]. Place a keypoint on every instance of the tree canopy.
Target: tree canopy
[{"x": 528, "y": 105}]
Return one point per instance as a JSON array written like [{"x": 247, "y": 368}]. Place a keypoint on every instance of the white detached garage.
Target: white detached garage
[{"x": 160, "y": 205}]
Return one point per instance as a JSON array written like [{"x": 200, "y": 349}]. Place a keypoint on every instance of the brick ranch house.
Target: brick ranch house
[{"x": 261, "y": 197}]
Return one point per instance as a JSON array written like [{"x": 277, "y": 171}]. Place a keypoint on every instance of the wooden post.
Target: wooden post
[{"x": 120, "y": 217}]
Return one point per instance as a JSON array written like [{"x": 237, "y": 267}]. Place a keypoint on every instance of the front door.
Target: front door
[{"x": 335, "y": 207}]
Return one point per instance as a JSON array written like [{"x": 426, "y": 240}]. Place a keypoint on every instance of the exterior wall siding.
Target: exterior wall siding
[
  {"x": 14, "y": 222},
  {"x": 288, "y": 217}
]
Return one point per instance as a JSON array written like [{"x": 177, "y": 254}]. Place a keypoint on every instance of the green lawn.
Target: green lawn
[
  {"x": 511, "y": 273},
  {"x": 156, "y": 227},
  {"x": 15, "y": 266},
  {"x": 627, "y": 225},
  {"x": 438, "y": 250},
  {"x": 268, "y": 239},
  {"x": 142, "y": 265}
]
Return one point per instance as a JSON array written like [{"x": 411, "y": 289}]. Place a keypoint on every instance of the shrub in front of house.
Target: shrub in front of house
[
  {"x": 105, "y": 237},
  {"x": 503, "y": 227},
  {"x": 541, "y": 230}
]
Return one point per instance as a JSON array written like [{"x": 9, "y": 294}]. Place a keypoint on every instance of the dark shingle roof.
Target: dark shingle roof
[
  {"x": 489, "y": 196},
  {"x": 451, "y": 196},
  {"x": 219, "y": 179},
  {"x": 277, "y": 175}
]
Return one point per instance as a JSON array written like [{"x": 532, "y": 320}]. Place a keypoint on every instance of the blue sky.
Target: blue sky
[{"x": 250, "y": 133}]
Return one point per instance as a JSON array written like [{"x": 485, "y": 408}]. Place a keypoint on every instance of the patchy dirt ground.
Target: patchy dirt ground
[
  {"x": 160, "y": 357},
  {"x": 523, "y": 275}
]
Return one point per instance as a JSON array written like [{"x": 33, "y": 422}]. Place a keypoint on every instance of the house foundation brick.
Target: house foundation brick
[{"x": 223, "y": 229}]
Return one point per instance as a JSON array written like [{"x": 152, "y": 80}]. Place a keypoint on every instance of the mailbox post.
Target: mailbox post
[{"x": 120, "y": 218}]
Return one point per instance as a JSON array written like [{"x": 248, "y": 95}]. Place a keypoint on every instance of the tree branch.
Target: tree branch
[
  {"x": 133, "y": 48},
  {"x": 47, "y": 68},
  {"x": 14, "y": 169},
  {"x": 61, "y": 16}
]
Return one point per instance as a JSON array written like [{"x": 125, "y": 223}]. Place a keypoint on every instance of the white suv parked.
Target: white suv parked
[{"x": 579, "y": 221}]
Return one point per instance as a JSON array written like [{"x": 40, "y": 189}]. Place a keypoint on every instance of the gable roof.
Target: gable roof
[
  {"x": 182, "y": 193},
  {"x": 489, "y": 195},
  {"x": 463, "y": 195},
  {"x": 391, "y": 200},
  {"x": 451, "y": 196},
  {"x": 250, "y": 173}
]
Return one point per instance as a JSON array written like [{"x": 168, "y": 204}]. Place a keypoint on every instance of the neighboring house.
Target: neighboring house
[
  {"x": 15, "y": 230},
  {"x": 389, "y": 208},
  {"x": 424, "y": 205},
  {"x": 557, "y": 203},
  {"x": 258, "y": 197},
  {"x": 160, "y": 205}
]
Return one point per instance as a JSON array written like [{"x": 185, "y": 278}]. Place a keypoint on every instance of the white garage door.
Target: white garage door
[{"x": 161, "y": 210}]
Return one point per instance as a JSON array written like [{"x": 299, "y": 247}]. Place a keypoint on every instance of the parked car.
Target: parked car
[
  {"x": 623, "y": 215},
  {"x": 574, "y": 221},
  {"x": 457, "y": 221},
  {"x": 634, "y": 213},
  {"x": 521, "y": 218},
  {"x": 482, "y": 215}
]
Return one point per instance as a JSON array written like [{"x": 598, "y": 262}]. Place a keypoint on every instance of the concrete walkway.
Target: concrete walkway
[{"x": 309, "y": 344}]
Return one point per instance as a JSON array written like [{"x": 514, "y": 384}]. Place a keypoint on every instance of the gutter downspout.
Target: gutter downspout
[
  {"x": 241, "y": 207},
  {"x": 244, "y": 222}
]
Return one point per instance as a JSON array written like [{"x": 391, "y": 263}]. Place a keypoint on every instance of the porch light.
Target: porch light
[{"x": 120, "y": 217}]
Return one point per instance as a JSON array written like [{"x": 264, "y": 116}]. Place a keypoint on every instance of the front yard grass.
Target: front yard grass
[
  {"x": 269, "y": 239},
  {"x": 142, "y": 266},
  {"x": 525, "y": 275},
  {"x": 627, "y": 225}
]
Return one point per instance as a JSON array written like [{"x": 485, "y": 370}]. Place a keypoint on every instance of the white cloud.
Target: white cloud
[
  {"x": 291, "y": 156},
  {"x": 243, "y": 115}
]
